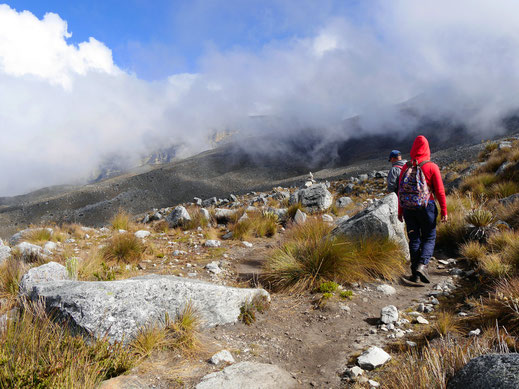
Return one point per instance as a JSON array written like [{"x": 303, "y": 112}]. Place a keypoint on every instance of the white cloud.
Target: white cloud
[
  {"x": 29, "y": 46},
  {"x": 63, "y": 108}
]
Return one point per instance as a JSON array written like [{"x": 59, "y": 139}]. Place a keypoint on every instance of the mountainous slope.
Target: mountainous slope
[{"x": 251, "y": 165}]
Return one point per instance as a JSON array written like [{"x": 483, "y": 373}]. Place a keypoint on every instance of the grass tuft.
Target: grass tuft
[
  {"x": 473, "y": 251},
  {"x": 311, "y": 256},
  {"x": 123, "y": 247},
  {"x": 121, "y": 221},
  {"x": 446, "y": 323},
  {"x": 182, "y": 333}
]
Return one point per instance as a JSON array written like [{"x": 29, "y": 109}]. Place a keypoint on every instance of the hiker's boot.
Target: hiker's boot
[{"x": 421, "y": 271}]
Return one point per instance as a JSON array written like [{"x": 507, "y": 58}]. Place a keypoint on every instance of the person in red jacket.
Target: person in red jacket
[{"x": 421, "y": 223}]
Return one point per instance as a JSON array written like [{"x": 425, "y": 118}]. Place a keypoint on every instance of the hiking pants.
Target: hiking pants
[{"x": 421, "y": 231}]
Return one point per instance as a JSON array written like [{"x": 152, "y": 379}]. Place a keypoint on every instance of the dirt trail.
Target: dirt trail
[{"x": 314, "y": 344}]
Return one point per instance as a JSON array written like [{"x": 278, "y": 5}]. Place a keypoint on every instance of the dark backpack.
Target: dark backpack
[{"x": 413, "y": 191}]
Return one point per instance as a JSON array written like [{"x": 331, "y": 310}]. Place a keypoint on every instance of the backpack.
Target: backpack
[{"x": 413, "y": 191}]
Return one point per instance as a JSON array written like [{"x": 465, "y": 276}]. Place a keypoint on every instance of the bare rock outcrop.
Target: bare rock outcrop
[{"x": 118, "y": 309}]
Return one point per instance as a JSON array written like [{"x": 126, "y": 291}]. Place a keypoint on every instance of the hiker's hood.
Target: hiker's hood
[{"x": 420, "y": 150}]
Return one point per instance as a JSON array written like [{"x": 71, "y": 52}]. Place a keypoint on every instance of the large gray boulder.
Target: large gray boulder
[
  {"x": 496, "y": 371},
  {"x": 178, "y": 216},
  {"x": 51, "y": 271},
  {"x": 378, "y": 220},
  {"x": 250, "y": 375},
  {"x": 314, "y": 198},
  {"x": 119, "y": 308}
]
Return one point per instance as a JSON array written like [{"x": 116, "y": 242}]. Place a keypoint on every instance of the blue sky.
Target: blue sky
[{"x": 161, "y": 37}]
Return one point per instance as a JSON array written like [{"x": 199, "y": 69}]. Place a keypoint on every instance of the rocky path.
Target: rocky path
[{"x": 314, "y": 344}]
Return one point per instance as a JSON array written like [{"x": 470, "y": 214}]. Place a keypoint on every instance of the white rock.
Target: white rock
[
  {"x": 223, "y": 356},
  {"x": 475, "y": 332},
  {"x": 50, "y": 246},
  {"x": 118, "y": 309},
  {"x": 178, "y": 216},
  {"x": 212, "y": 243},
  {"x": 141, "y": 234},
  {"x": 249, "y": 375},
  {"x": 373, "y": 358},
  {"x": 355, "y": 371},
  {"x": 246, "y": 244},
  {"x": 422, "y": 320},
  {"x": 378, "y": 220},
  {"x": 213, "y": 267},
  {"x": 300, "y": 217},
  {"x": 205, "y": 214},
  {"x": 386, "y": 289},
  {"x": 343, "y": 202},
  {"x": 410, "y": 343},
  {"x": 51, "y": 271},
  {"x": 373, "y": 384},
  {"x": 5, "y": 252},
  {"x": 28, "y": 249},
  {"x": 327, "y": 218},
  {"x": 389, "y": 314}
]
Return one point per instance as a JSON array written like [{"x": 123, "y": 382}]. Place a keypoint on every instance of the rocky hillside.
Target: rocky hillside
[
  {"x": 294, "y": 286},
  {"x": 232, "y": 168}
]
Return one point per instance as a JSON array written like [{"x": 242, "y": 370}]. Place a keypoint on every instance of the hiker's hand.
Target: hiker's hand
[
  {"x": 445, "y": 219},
  {"x": 401, "y": 218}
]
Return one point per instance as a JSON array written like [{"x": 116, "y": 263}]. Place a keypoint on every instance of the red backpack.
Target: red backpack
[{"x": 413, "y": 191}]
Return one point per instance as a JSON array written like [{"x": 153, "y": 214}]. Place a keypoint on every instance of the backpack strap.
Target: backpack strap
[{"x": 423, "y": 163}]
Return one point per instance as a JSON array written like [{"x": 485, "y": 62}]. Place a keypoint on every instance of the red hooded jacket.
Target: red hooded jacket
[{"x": 420, "y": 152}]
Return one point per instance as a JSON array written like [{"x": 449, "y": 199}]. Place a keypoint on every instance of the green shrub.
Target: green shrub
[
  {"x": 346, "y": 294},
  {"x": 329, "y": 286}
]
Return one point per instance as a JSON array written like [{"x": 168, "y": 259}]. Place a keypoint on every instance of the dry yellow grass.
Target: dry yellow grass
[
  {"x": 311, "y": 255},
  {"x": 432, "y": 366},
  {"x": 473, "y": 251},
  {"x": 39, "y": 353},
  {"x": 446, "y": 323},
  {"x": 123, "y": 247}
]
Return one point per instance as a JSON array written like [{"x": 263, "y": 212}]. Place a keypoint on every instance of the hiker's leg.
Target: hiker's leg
[
  {"x": 428, "y": 232},
  {"x": 412, "y": 224}
]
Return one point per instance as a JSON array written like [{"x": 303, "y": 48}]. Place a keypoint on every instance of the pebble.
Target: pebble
[
  {"x": 475, "y": 332},
  {"x": 422, "y": 320}
]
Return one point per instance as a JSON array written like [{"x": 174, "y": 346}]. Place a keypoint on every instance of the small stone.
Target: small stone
[
  {"x": 410, "y": 343},
  {"x": 373, "y": 358},
  {"x": 327, "y": 218},
  {"x": 354, "y": 371},
  {"x": 386, "y": 289},
  {"x": 212, "y": 243},
  {"x": 389, "y": 314},
  {"x": 300, "y": 217},
  {"x": 223, "y": 356},
  {"x": 246, "y": 244},
  {"x": 141, "y": 234},
  {"x": 475, "y": 332},
  {"x": 421, "y": 320},
  {"x": 373, "y": 384},
  {"x": 421, "y": 307}
]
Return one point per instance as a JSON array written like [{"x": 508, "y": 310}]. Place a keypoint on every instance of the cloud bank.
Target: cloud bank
[{"x": 63, "y": 108}]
